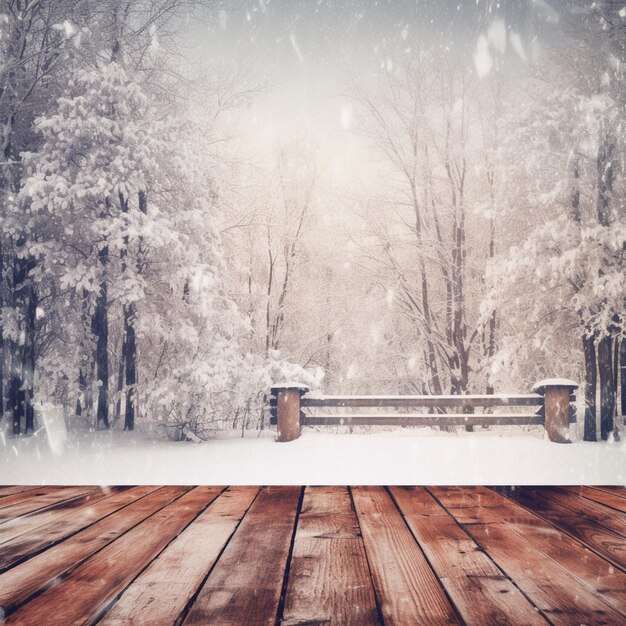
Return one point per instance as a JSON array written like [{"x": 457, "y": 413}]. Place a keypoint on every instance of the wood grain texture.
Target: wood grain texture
[
  {"x": 480, "y": 591},
  {"x": 81, "y": 597},
  {"x": 521, "y": 399},
  {"x": 22, "y": 581},
  {"x": 567, "y": 503},
  {"x": 426, "y": 419},
  {"x": 39, "y": 499},
  {"x": 550, "y": 587},
  {"x": 161, "y": 593},
  {"x": 13, "y": 489},
  {"x": 329, "y": 579},
  {"x": 593, "y": 575},
  {"x": 406, "y": 587},
  {"x": 618, "y": 491},
  {"x": 246, "y": 583},
  {"x": 596, "y": 536},
  {"x": 435, "y": 555},
  {"x": 26, "y": 535},
  {"x": 599, "y": 496}
]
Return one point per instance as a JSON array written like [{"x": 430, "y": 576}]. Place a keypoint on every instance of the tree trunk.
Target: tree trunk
[
  {"x": 13, "y": 400},
  {"x": 28, "y": 362},
  {"x": 607, "y": 389},
  {"x": 622, "y": 380},
  {"x": 2, "y": 353},
  {"x": 21, "y": 351},
  {"x": 100, "y": 328},
  {"x": 131, "y": 367},
  {"x": 591, "y": 374},
  {"x": 121, "y": 366}
]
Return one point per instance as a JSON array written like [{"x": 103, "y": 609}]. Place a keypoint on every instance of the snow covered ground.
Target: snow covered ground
[{"x": 399, "y": 457}]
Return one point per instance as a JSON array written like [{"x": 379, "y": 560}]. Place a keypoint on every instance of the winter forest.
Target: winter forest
[{"x": 200, "y": 199}]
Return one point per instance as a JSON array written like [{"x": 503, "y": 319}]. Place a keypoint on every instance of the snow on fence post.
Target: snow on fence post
[
  {"x": 288, "y": 409},
  {"x": 556, "y": 392}
]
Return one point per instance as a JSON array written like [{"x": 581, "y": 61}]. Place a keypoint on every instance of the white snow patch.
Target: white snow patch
[
  {"x": 406, "y": 456},
  {"x": 555, "y": 382}
]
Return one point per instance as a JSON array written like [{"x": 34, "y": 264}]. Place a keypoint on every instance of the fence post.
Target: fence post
[
  {"x": 556, "y": 393},
  {"x": 288, "y": 409}
]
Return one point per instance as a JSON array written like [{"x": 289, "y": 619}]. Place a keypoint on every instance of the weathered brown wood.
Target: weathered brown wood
[
  {"x": 405, "y": 401},
  {"x": 15, "y": 526},
  {"x": 21, "y": 496},
  {"x": 557, "y": 414},
  {"x": 427, "y": 419},
  {"x": 602, "y": 532},
  {"x": 82, "y": 596},
  {"x": 472, "y": 504},
  {"x": 246, "y": 583},
  {"x": 489, "y": 558},
  {"x": 22, "y": 581},
  {"x": 288, "y": 414},
  {"x": 557, "y": 594},
  {"x": 620, "y": 492},
  {"x": 587, "y": 566},
  {"x": 480, "y": 591},
  {"x": 14, "y": 489},
  {"x": 552, "y": 588},
  {"x": 39, "y": 499},
  {"x": 600, "y": 496},
  {"x": 30, "y": 534},
  {"x": 407, "y": 589},
  {"x": 161, "y": 593},
  {"x": 329, "y": 580}
]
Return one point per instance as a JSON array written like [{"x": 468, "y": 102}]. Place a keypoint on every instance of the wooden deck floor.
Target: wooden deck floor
[{"x": 320, "y": 555}]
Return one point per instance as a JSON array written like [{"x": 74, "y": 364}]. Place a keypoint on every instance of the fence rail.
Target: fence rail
[{"x": 554, "y": 399}]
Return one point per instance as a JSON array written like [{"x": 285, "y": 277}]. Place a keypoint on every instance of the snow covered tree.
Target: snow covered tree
[
  {"x": 34, "y": 37},
  {"x": 565, "y": 279}
]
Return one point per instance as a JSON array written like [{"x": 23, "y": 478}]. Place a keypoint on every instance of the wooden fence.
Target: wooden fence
[{"x": 552, "y": 405}]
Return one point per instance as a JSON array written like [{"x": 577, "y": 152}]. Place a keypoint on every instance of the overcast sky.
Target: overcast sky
[{"x": 305, "y": 49}]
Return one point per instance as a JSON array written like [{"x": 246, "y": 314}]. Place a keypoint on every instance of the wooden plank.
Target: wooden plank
[
  {"x": 551, "y": 588},
  {"x": 329, "y": 580},
  {"x": 605, "y": 542},
  {"x": 15, "y": 526},
  {"x": 161, "y": 593},
  {"x": 246, "y": 583},
  {"x": 529, "y": 399},
  {"x": 91, "y": 587},
  {"x": 39, "y": 499},
  {"x": 471, "y": 505},
  {"x": 480, "y": 591},
  {"x": 14, "y": 489},
  {"x": 570, "y": 503},
  {"x": 428, "y": 419},
  {"x": 22, "y": 581},
  {"x": 600, "y": 496},
  {"x": 407, "y": 589},
  {"x": 589, "y": 568},
  {"x": 618, "y": 491},
  {"x": 28, "y": 535}
]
